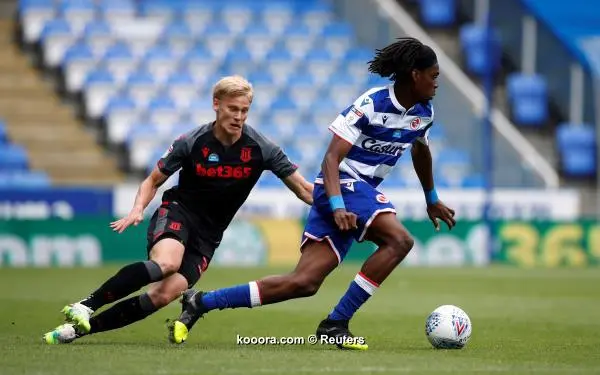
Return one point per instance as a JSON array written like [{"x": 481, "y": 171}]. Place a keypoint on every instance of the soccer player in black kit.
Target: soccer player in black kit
[{"x": 220, "y": 163}]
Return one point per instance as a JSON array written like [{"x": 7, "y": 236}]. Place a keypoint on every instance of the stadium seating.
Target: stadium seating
[
  {"x": 438, "y": 12},
  {"x": 478, "y": 55},
  {"x": 528, "y": 98},
  {"x": 14, "y": 166},
  {"x": 145, "y": 69},
  {"x": 577, "y": 145}
]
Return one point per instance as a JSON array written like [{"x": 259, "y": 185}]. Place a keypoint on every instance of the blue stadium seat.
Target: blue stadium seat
[
  {"x": 438, "y": 12},
  {"x": 200, "y": 62},
  {"x": 200, "y": 110},
  {"x": 3, "y": 135},
  {"x": 120, "y": 114},
  {"x": 13, "y": 157},
  {"x": 199, "y": 14},
  {"x": 320, "y": 63},
  {"x": 142, "y": 140},
  {"x": 237, "y": 15},
  {"x": 280, "y": 63},
  {"x": 343, "y": 88},
  {"x": 119, "y": 60},
  {"x": 77, "y": 62},
  {"x": 240, "y": 61},
  {"x": 57, "y": 35},
  {"x": 78, "y": 13},
  {"x": 356, "y": 60},
  {"x": 99, "y": 85},
  {"x": 163, "y": 111},
  {"x": 278, "y": 133},
  {"x": 25, "y": 180},
  {"x": 337, "y": 38},
  {"x": 160, "y": 61},
  {"x": 297, "y": 39},
  {"x": 302, "y": 88},
  {"x": 179, "y": 37},
  {"x": 99, "y": 36},
  {"x": 258, "y": 40},
  {"x": 277, "y": 16},
  {"x": 323, "y": 111},
  {"x": 142, "y": 87},
  {"x": 285, "y": 112},
  {"x": 218, "y": 38},
  {"x": 162, "y": 10},
  {"x": 577, "y": 146},
  {"x": 33, "y": 16},
  {"x": 265, "y": 90},
  {"x": 314, "y": 14},
  {"x": 182, "y": 88},
  {"x": 475, "y": 49},
  {"x": 528, "y": 97},
  {"x": 115, "y": 10}
]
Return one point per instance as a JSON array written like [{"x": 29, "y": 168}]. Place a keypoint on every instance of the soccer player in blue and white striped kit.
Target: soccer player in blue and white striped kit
[{"x": 369, "y": 138}]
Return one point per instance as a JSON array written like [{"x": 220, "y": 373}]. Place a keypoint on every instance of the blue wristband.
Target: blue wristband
[
  {"x": 336, "y": 202},
  {"x": 431, "y": 196}
]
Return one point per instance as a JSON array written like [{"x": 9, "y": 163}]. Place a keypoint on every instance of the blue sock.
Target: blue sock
[
  {"x": 244, "y": 295},
  {"x": 358, "y": 293}
]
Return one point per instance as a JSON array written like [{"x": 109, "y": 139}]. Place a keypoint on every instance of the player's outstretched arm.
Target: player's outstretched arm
[
  {"x": 299, "y": 186},
  {"x": 144, "y": 196},
  {"x": 337, "y": 150},
  {"x": 423, "y": 164}
]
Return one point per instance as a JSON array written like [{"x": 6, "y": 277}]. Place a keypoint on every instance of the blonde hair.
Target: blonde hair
[{"x": 233, "y": 86}]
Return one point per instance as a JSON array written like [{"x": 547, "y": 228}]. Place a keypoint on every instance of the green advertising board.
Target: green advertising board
[
  {"x": 463, "y": 245},
  {"x": 91, "y": 242}
]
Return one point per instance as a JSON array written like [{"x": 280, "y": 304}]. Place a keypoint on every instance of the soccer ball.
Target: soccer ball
[{"x": 448, "y": 327}]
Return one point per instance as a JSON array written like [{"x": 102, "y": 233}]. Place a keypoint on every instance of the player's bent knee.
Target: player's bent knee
[
  {"x": 402, "y": 244},
  {"x": 168, "y": 266},
  {"x": 304, "y": 286}
]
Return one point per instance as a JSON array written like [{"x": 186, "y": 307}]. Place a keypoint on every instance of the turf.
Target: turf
[{"x": 525, "y": 321}]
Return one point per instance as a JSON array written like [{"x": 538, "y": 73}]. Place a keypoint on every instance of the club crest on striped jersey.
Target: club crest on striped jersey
[
  {"x": 415, "y": 123},
  {"x": 382, "y": 198}
]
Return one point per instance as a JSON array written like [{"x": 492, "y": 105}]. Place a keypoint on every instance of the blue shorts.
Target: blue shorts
[{"x": 361, "y": 199}]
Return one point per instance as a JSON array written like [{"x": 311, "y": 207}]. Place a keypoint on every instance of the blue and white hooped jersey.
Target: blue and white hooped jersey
[{"x": 380, "y": 130}]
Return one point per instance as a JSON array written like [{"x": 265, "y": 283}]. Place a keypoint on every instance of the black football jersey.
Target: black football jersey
[{"x": 215, "y": 180}]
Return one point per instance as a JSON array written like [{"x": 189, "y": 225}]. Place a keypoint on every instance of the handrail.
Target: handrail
[{"x": 464, "y": 84}]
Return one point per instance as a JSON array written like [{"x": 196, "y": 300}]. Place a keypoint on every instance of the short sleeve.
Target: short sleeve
[
  {"x": 174, "y": 157},
  {"x": 350, "y": 122},
  {"x": 424, "y": 137},
  {"x": 277, "y": 161}
]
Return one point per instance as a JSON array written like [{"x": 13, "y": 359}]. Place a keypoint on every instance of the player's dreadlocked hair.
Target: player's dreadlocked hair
[{"x": 397, "y": 60}]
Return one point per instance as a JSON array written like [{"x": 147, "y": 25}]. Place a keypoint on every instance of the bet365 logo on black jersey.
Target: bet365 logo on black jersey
[{"x": 224, "y": 171}]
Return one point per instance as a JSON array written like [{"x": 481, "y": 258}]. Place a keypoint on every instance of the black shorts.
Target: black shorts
[{"x": 171, "y": 220}]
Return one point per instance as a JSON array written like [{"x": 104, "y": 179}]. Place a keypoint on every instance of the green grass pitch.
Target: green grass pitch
[{"x": 525, "y": 321}]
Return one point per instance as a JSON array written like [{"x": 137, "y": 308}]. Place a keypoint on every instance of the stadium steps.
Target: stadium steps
[
  {"x": 448, "y": 40},
  {"x": 37, "y": 119}
]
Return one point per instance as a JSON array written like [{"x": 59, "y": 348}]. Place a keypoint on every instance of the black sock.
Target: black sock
[
  {"x": 123, "y": 313},
  {"x": 129, "y": 279}
]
